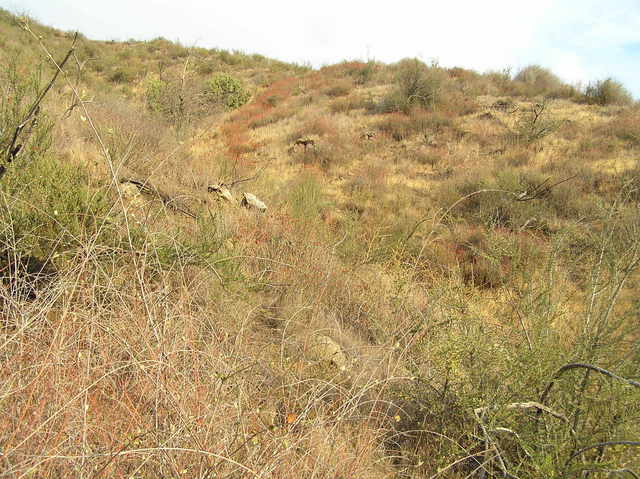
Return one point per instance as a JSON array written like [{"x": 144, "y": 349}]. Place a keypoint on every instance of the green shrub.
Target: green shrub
[
  {"x": 53, "y": 209},
  {"x": 608, "y": 92},
  {"x": 226, "y": 90},
  {"x": 157, "y": 95},
  {"x": 416, "y": 85},
  {"x": 18, "y": 93},
  {"x": 175, "y": 100},
  {"x": 501, "y": 80}
]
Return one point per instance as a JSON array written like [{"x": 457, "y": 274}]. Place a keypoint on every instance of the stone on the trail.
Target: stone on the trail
[
  {"x": 129, "y": 190},
  {"x": 252, "y": 202},
  {"x": 222, "y": 191},
  {"x": 326, "y": 349}
]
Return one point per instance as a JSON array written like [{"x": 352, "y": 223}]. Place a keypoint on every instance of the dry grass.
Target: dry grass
[{"x": 167, "y": 346}]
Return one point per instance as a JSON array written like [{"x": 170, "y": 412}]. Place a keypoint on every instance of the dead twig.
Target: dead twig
[
  {"x": 170, "y": 202},
  {"x": 538, "y": 192},
  {"x": 602, "y": 445},
  {"x": 568, "y": 367},
  {"x": 13, "y": 148}
]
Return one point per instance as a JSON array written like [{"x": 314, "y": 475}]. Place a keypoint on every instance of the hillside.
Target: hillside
[{"x": 444, "y": 282}]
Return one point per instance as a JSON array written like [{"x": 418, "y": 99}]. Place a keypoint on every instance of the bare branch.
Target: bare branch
[
  {"x": 570, "y": 366},
  {"x": 603, "y": 445},
  {"x": 12, "y": 149}
]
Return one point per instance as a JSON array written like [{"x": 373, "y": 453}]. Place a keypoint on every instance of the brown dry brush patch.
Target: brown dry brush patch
[
  {"x": 265, "y": 109},
  {"x": 146, "y": 377}
]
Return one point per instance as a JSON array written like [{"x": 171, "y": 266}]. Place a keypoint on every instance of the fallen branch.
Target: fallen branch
[{"x": 170, "y": 202}]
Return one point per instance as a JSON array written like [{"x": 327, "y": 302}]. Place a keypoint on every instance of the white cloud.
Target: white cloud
[{"x": 579, "y": 39}]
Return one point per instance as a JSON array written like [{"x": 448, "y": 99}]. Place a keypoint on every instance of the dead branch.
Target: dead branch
[
  {"x": 541, "y": 190},
  {"x": 169, "y": 201},
  {"x": 539, "y": 407},
  {"x": 538, "y": 192},
  {"x": 13, "y": 149},
  {"x": 490, "y": 443},
  {"x": 591, "y": 367},
  {"x": 602, "y": 445},
  {"x": 241, "y": 180}
]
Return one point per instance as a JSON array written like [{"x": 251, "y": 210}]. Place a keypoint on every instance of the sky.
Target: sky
[{"x": 579, "y": 40}]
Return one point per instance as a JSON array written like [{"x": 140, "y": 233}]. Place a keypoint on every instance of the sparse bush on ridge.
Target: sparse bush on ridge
[
  {"x": 541, "y": 80},
  {"x": 416, "y": 85},
  {"x": 608, "y": 92}
]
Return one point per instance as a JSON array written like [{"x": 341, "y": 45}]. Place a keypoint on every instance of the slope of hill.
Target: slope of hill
[{"x": 444, "y": 283}]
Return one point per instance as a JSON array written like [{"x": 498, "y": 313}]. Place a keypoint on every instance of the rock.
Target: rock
[
  {"x": 222, "y": 191},
  {"x": 368, "y": 135},
  {"x": 326, "y": 349},
  {"x": 269, "y": 415},
  {"x": 305, "y": 142},
  {"x": 252, "y": 202},
  {"x": 129, "y": 190}
]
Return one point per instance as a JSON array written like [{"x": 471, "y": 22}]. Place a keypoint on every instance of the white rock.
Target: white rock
[
  {"x": 222, "y": 191},
  {"x": 252, "y": 202},
  {"x": 326, "y": 349}
]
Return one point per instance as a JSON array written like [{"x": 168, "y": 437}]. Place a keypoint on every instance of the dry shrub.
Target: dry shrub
[
  {"x": 369, "y": 181},
  {"x": 486, "y": 259},
  {"x": 427, "y": 156},
  {"x": 266, "y": 108},
  {"x": 594, "y": 146},
  {"x": 237, "y": 138},
  {"x": 330, "y": 145},
  {"x": 361, "y": 72},
  {"x": 319, "y": 126},
  {"x": 271, "y": 116},
  {"x": 132, "y": 136},
  {"x": 517, "y": 157},
  {"x": 338, "y": 89},
  {"x": 608, "y": 92},
  {"x": 469, "y": 82},
  {"x": 324, "y": 154},
  {"x": 626, "y": 126},
  {"x": 352, "y": 102},
  {"x": 456, "y": 102},
  {"x": 538, "y": 80},
  {"x": 401, "y": 127}
]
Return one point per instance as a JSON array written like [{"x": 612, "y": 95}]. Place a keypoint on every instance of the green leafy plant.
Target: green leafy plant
[
  {"x": 227, "y": 91},
  {"x": 417, "y": 85}
]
